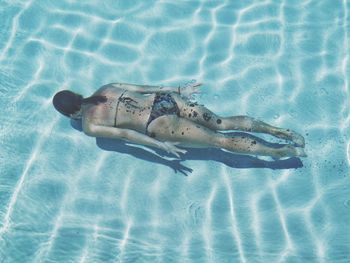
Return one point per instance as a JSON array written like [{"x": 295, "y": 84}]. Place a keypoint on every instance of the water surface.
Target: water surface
[{"x": 66, "y": 198}]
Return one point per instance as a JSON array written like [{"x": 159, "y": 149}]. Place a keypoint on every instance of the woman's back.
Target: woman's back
[{"x": 123, "y": 109}]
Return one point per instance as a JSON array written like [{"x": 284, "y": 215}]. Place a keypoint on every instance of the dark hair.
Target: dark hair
[{"x": 68, "y": 102}]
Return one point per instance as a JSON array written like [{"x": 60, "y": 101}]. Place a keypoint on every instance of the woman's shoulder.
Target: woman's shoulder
[{"x": 108, "y": 90}]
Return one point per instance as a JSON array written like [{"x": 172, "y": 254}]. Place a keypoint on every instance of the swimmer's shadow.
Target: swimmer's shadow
[{"x": 212, "y": 154}]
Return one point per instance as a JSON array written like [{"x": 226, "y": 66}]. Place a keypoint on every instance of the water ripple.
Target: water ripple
[{"x": 70, "y": 201}]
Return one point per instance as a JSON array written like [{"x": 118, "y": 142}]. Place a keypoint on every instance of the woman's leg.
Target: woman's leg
[
  {"x": 201, "y": 115},
  {"x": 190, "y": 134}
]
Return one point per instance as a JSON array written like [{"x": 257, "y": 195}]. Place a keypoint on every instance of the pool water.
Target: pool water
[{"x": 67, "y": 197}]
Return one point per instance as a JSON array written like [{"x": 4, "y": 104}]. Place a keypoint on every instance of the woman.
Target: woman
[{"x": 164, "y": 117}]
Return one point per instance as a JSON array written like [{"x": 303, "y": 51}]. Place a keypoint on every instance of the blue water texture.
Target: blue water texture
[{"x": 66, "y": 197}]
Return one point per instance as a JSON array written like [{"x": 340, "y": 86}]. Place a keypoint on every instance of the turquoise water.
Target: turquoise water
[{"x": 66, "y": 198}]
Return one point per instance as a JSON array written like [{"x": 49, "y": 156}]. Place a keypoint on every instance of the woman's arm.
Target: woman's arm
[
  {"x": 185, "y": 91},
  {"x": 132, "y": 136},
  {"x": 144, "y": 88}
]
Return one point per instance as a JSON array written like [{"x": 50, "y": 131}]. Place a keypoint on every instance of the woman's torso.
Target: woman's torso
[{"x": 123, "y": 109}]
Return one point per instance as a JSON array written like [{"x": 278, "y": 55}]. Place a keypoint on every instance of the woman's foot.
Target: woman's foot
[
  {"x": 289, "y": 151},
  {"x": 291, "y": 136}
]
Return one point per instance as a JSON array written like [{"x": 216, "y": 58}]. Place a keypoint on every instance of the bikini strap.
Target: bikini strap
[{"x": 116, "y": 109}]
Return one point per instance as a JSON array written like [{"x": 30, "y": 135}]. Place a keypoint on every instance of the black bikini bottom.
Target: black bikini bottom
[{"x": 163, "y": 104}]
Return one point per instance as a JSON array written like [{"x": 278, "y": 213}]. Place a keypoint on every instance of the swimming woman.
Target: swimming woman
[{"x": 164, "y": 117}]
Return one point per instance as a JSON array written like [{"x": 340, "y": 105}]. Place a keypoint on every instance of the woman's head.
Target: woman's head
[{"x": 67, "y": 102}]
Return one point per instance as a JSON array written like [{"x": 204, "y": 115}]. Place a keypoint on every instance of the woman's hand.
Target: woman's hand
[
  {"x": 170, "y": 147},
  {"x": 190, "y": 89}
]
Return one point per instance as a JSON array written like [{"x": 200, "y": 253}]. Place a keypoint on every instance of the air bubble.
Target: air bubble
[
  {"x": 347, "y": 203},
  {"x": 292, "y": 113},
  {"x": 324, "y": 91},
  {"x": 276, "y": 116}
]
